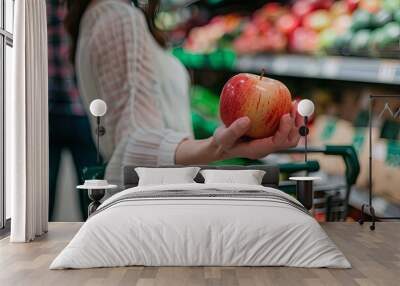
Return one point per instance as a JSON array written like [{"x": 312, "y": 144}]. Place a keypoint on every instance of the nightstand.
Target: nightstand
[{"x": 96, "y": 191}]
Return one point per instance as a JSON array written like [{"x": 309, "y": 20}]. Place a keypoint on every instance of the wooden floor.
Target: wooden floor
[{"x": 375, "y": 257}]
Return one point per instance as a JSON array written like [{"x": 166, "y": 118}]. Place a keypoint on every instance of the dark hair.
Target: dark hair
[{"x": 76, "y": 9}]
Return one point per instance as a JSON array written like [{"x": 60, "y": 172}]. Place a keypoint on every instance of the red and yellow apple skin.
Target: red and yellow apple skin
[{"x": 262, "y": 99}]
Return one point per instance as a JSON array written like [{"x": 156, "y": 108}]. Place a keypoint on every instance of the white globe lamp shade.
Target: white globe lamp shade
[
  {"x": 98, "y": 107},
  {"x": 305, "y": 107}
]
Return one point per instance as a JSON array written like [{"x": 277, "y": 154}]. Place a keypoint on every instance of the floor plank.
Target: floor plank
[{"x": 375, "y": 257}]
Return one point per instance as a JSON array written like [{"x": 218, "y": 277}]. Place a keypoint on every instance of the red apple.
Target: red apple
[
  {"x": 371, "y": 6},
  {"x": 302, "y": 8},
  {"x": 262, "y": 99},
  {"x": 352, "y": 5},
  {"x": 287, "y": 23},
  {"x": 264, "y": 27},
  {"x": 269, "y": 12},
  {"x": 276, "y": 40},
  {"x": 304, "y": 40},
  {"x": 321, "y": 4},
  {"x": 338, "y": 9},
  {"x": 250, "y": 30},
  {"x": 272, "y": 8},
  {"x": 317, "y": 20}
]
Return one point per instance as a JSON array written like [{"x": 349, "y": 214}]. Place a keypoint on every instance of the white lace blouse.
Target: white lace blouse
[{"x": 145, "y": 88}]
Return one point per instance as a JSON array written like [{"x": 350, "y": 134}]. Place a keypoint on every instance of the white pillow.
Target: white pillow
[
  {"x": 165, "y": 176},
  {"x": 248, "y": 177}
]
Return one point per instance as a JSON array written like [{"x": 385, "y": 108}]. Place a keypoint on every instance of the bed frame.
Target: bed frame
[{"x": 270, "y": 179}]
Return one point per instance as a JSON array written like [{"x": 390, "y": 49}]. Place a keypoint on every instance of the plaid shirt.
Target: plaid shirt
[{"x": 63, "y": 91}]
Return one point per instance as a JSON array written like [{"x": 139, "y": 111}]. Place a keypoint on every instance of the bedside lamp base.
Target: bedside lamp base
[
  {"x": 96, "y": 192},
  {"x": 95, "y": 196},
  {"x": 305, "y": 190}
]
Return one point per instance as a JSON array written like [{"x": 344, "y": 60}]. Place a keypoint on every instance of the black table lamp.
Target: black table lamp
[
  {"x": 305, "y": 109},
  {"x": 98, "y": 108},
  {"x": 304, "y": 185}
]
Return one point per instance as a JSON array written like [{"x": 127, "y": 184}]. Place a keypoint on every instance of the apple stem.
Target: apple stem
[{"x": 262, "y": 74}]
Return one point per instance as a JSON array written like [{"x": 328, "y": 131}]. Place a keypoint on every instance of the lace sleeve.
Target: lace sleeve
[{"x": 121, "y": 59}]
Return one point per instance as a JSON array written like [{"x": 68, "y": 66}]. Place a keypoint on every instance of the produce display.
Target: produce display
[
  {"x": 262, "y": 99},
  {"x": 216, "y": 44},
  {"x": 345, "y": 27}
]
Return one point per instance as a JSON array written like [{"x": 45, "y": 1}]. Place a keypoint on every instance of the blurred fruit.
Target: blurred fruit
[
  {"x": 287, "y": 23},
  {"x": 249, "y": 45},
  {"x": 274, "y": 10},
  {"x": 227, "y": 22},
  {"x": 392, "y": 33},
  {"x": 361, "y": 19},
  {"x": 381, "y": 18},
  {"x": 327, "y": 38},
  {"x": 359, "y": 43},
  {"x": 302, "y": 8},
  {"x": 205, "y": 39},
  {"x": 317, "y": 20},
  {"x": 250, "y": 30},
  {"x": 371, "y": 6},
  {"x": 263, "y": 27},
  {"x": 304, "y": 40},
  {"x": 345, "y": 27},
  {"x": 352, "y": 5},
  {"x": 376, "y": 40},
  {"x": 321, "y": 4},
  {"x": 343, "y": 41},
  {"x": 276, "y": 39},
  {"x": 338, "y": 8},
  {"x": 397, "y": 16},
  {"x": 391, "y": 5},
  {"x": 270, "y": 12},
  {"x": 341, "y": 24}
]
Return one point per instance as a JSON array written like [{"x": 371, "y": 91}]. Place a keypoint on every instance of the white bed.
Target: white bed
[{"x": 245, "y": 225}]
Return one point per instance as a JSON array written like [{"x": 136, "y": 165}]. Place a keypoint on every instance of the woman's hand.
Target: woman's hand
[
  {"x": 227, "y": 142},
  {"x": 228, "y": 139}
]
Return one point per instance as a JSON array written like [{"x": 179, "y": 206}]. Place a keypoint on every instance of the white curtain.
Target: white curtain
[{"x": 27, "y": 124}]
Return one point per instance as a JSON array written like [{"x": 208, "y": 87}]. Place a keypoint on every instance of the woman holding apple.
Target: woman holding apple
[{"x": 119, "y": 57}]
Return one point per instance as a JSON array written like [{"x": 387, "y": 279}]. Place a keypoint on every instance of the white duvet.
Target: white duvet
[{"x": 190, "y": 231}]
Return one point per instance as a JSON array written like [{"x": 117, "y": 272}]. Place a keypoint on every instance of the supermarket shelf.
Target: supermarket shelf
[
  {"x": 345, "y": 68},
  {"x": 331, "y": 67}
]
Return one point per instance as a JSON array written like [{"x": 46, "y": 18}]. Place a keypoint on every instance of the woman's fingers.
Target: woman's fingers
[
  {"x": 254, "y": 149},
  {"x": 286, "y": 136},
  {"x": 294, "y": 137},
  {"x": 226, "y": 137},
  {"x": 298, "y": 118},
  {"x": 294, "y": 109},
  {"x": 285, "y": 126}
]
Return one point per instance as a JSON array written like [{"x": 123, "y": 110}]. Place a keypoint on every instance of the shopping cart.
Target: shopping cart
[{"x": 331, "y": 195}]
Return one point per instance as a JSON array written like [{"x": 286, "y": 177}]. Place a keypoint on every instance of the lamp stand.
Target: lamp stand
[
  {"x": 304, "y": 132},
  {"x": 95, "y": 195},
  {"x": 305, "y": 193},
  {"x": 100, "y": 131}
]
